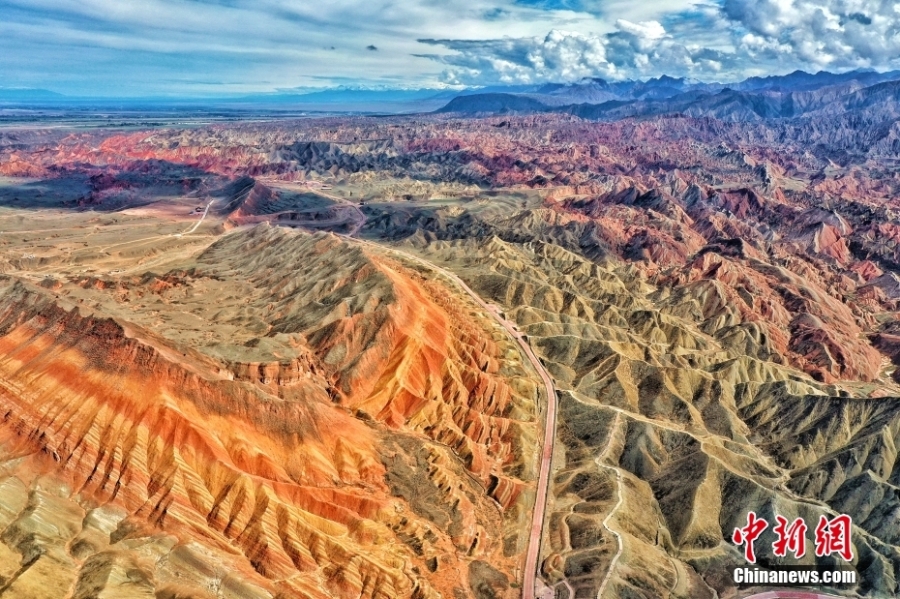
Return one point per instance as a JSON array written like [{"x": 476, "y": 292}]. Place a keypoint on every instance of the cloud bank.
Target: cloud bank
[
  {"x": 109, "y": 47},
  {"x": 632, "y": 50},
  {"x": 713, "y": 41},
  {"x": 835, "y": 34}
]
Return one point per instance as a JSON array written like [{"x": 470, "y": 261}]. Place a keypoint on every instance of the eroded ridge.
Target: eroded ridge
[
  {"x": 377, "y": 437},
  {"x": 669, "y": 431}
]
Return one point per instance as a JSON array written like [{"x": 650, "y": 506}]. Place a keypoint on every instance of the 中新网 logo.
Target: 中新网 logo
[{"x": 831, "y": 536}]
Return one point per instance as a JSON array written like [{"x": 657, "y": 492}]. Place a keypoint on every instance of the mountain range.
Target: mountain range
[
  {"x": 784, "y": 96},
  {"x": 551, "y": 341}
]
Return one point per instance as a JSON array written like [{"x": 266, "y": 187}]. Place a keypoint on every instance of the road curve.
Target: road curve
[
  {"x": 530, "y": 575},
  {"x": 361, "y": 216},
  {"x": 197, "y": 224},
  {"x": 543, "y": 483},
  {"x": 615, "y": 559},
  {"x": 612, "y": 512}
]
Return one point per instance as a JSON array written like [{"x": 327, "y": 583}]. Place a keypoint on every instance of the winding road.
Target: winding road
[
  {"x": 543, "y": 482},
  {"x": 542, "y": 490},
  {"x": 612, "y": 512},
  {"x": 531, "y": 575},
  {"x": 197, "y": 224}
]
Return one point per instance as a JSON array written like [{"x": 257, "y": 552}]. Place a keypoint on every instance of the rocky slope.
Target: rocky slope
[
  {"x": 715, "y": 298},
  {"x": 290, "y": 431},
  {"x": 675, "y": 423}
]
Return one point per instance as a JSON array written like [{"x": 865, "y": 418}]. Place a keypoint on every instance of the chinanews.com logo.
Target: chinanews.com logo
[{"x": 831, "y": 538}]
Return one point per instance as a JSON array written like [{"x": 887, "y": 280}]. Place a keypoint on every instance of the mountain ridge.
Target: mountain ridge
[
  {"x": 590, "y": 92},
  {"x": 764, "y": 99}
]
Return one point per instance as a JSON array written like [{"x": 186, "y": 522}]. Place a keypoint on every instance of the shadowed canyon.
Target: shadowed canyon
[{"x": 308, "y": 358}]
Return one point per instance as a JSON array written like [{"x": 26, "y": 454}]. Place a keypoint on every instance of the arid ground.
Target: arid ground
[{"x": 307, "y": 358}]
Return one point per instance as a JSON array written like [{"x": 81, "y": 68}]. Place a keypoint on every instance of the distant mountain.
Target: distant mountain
[
  {"x": 493, "y": 104},
  {"x": 790, "y": 96},
  {"x": 344, "y": 96},
  {"x": 757, "y": 98},
  {"x": 801, "y": 81},
  {"x": 326, "y": 100},
  {"x": 592, "y": 91},
  {"x": 24, "y": 94}
]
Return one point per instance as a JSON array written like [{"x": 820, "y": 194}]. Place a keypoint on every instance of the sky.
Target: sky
[{"x": 212, "y": 47}]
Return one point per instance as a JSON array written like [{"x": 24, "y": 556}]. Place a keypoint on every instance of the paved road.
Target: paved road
[
  {"x": 543, "y": 482},
  {"x": 532, "y": 556}
]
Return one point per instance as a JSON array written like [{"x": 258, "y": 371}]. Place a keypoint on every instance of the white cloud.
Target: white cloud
[
  {"x": 724, "y": 41},
  {"x": 158, "y": 46},
  {"x": 648, "y": 30},
  {"x": 108, "y": 46},
  {"x": 632, "y": 50},
  {"x": 828, "y": 34}
]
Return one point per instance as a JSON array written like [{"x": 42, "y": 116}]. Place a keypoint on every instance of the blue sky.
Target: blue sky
[{"x": 205, "y": 47}]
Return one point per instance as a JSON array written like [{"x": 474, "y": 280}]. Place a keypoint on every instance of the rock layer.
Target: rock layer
[{"x": 290, "y": 460}]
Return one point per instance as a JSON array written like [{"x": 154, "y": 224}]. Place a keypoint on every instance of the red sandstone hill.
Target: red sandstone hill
[
  {"x": 199, "y": 408},
  {"x": 348, "y": 430}
]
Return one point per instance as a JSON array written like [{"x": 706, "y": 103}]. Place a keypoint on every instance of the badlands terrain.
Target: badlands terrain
[{"x": 326, "y": 357}]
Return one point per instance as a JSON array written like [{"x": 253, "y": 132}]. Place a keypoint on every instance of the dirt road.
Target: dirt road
[{"x": 612, "y": 513}]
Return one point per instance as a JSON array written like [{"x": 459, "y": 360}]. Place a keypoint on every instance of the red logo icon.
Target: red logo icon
[
  {"x": 746, "y": 535},
  {"x": 831, "y": 536},
  {"x": 790, "y": 537}
]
